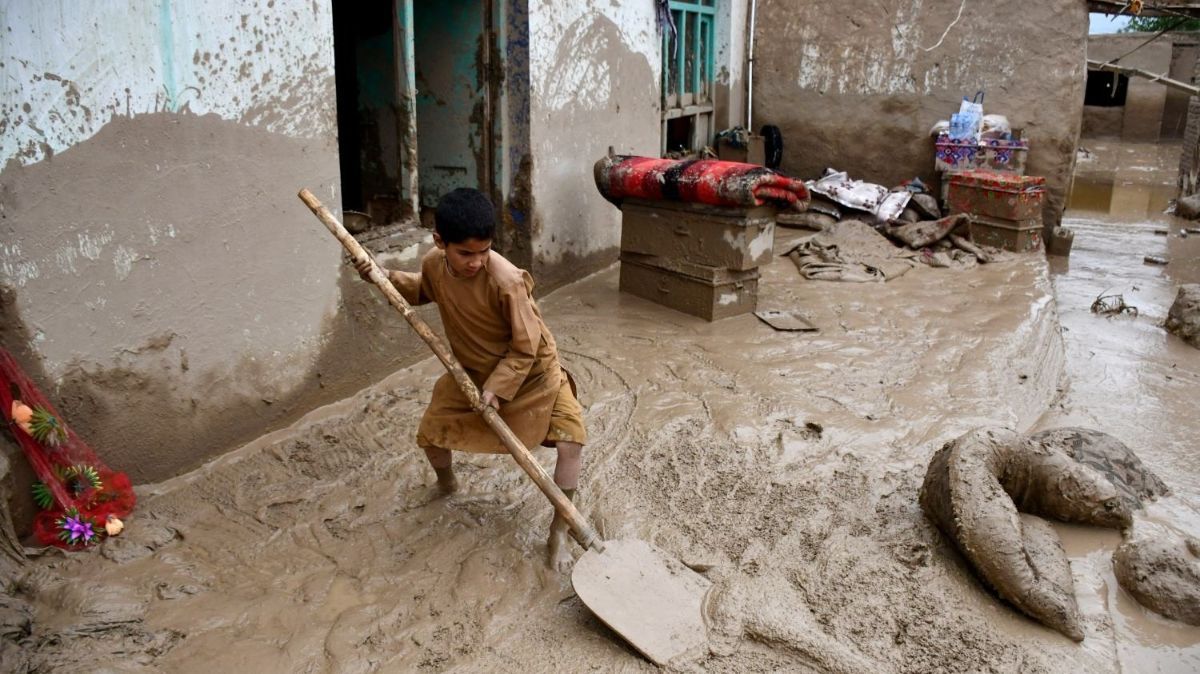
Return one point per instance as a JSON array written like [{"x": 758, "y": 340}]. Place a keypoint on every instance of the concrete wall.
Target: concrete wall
[
  {"x": 857, "y": 84},
  {"x": 1145, "y": 101},
  {"x": 159, "y": 277}
]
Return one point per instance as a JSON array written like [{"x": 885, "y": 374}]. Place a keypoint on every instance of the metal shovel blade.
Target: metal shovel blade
[{"x": 649, "y": 598}]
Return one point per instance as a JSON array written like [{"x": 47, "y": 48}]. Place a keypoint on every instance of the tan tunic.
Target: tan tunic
[{"x": 496, "y": 332}]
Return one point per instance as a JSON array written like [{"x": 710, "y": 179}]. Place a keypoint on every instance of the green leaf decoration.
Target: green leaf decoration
[
  {"x": 47, "y": 428},
  {"x": 42, "y": 496},
  {"x": 79, "y": 478}
]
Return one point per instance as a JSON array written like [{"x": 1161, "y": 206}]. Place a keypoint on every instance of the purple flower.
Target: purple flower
[{"x": 78, "y": 530}]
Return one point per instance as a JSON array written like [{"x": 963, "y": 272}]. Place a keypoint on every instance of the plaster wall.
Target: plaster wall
[
  {"x": 1145, "y": 101},
  {"x": 159, "y": 277},
  {"x": 729, "y": 94},
  {"x": 857, "y": 84},
  {"x": 1184, "y": 53},
  {"x": 594, "y": 71},
  {"x": 1102, "y": 122}
]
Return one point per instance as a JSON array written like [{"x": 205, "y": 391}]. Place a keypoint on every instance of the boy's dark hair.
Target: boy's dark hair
[{"x": 464, "y": 214}]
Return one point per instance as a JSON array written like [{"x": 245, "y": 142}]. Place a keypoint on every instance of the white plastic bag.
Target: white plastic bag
[
  {"x": 995, "y": 126},
  {"x": 966, "y": 122}
]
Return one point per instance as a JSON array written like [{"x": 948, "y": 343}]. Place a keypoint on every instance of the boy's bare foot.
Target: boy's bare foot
[{"x": 558, "y": 545}]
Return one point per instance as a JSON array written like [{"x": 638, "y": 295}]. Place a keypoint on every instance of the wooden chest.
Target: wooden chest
[
  {"x": 728, "y": 238},
  {"x": 711, "y": 293}
]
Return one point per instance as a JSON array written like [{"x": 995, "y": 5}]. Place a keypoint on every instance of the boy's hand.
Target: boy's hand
[
  {"x": 363, "y": 268},
  {"x": 490, "y": 399}
]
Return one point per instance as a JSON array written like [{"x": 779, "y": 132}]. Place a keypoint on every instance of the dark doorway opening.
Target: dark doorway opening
[
  {"x": 368, "y": 107},
  {"x": 1105, "y": 90},
  {"x": 415, "y": 103}
]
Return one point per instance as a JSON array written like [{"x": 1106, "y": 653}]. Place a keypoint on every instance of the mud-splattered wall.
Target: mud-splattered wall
[
  {"x": 856, "y": 84},
  {"x": 595, "y": 68},
  {"x": 160, "y": 279}
]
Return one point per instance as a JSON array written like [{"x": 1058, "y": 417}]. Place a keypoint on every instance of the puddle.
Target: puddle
[{"x": 1127, "y": 376}]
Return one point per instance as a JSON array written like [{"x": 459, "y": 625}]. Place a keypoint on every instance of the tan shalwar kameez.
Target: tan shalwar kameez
[{"x": 496, "y": 332}]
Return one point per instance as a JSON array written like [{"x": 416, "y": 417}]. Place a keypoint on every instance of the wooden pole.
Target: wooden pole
[
  {"x": 1188, "y": 89},
  {"x": 583, "y": 532}
]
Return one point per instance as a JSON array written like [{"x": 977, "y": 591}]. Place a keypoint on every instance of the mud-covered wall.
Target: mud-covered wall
[
  {"x": 1185, "y": 48},
  {"x": 594, "y": 82},
  {"x": 595, "y": 71},
  {"x": 729, "y": 94},
  {"x": 856, "y": 84},
  {"x": 1141, "y": 117},
  {"x": 160, "y": 278}
]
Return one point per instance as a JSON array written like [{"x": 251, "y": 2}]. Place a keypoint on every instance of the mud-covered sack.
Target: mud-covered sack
[
  {"x": 972, "y": 492},
  {"x": 1117, "y": 462},
  {"x": 1161, "y": 569}
]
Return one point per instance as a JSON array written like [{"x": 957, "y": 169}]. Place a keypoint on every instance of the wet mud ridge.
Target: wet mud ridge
[{"x": 783, "y": 466}]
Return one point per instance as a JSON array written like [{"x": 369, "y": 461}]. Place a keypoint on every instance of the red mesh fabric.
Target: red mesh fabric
[{"x": 53, "y": 464}]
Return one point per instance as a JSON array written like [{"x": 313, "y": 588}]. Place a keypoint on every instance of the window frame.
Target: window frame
[{"x": 690, "y": 92}]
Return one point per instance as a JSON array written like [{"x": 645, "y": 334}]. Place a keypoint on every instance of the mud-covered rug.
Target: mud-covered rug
[{"x": 703, "y": 181}]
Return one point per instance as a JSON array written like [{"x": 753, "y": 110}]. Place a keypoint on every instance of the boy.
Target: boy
[{"x": 496, "y": 332}]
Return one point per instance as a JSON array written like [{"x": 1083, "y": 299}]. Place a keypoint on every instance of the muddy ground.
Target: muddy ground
[{"x": 788, "y": 462}]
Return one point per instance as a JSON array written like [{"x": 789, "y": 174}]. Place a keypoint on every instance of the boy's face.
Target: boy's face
[{"x": 467, "y": 257}]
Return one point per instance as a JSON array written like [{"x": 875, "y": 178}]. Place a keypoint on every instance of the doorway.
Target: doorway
[{"x": 415, "y": 104}]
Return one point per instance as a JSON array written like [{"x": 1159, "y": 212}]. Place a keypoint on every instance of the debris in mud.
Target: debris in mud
[
  {"x": 1116, "y": 461},
  {"x": 1183, "y": 319},
  {"x": 1161, "y": 569},
  {"x": 1155, "y": 259},
  {"x": 1112, "y": 305},
  {"x": 785, "y": 321},
  {"x": 1188, "y": 207},
  {"x": 1161, "y": 232}
]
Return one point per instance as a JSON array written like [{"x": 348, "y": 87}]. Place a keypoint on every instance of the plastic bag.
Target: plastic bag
[
  {"x": 965, "y": 123},
  {"x": 995, "y": 127}
]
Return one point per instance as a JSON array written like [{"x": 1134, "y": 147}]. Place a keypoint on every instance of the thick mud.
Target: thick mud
[{"x": 787, "y": 465}]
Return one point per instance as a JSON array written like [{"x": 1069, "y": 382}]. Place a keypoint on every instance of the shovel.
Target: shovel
[{"x": 650, "y": 599}]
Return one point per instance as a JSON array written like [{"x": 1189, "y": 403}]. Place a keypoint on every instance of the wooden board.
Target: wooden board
[
  {"x": 788, "y": 321},
  {"x": 649, "y": 598}
]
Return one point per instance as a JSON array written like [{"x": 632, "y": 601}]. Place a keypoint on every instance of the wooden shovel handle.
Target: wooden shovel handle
[{"x": 580, "y": 529}]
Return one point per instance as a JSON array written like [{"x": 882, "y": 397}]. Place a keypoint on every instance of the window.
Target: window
[{"x": 687, "y": 84}]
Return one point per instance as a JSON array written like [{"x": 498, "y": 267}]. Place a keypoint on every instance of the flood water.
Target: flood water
[{"x": 1126, "y": 375}]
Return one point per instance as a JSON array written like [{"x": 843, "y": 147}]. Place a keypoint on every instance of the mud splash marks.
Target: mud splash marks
[
  {"x": 593, "y": 80},
  {"x": 139, "y": 255}
]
